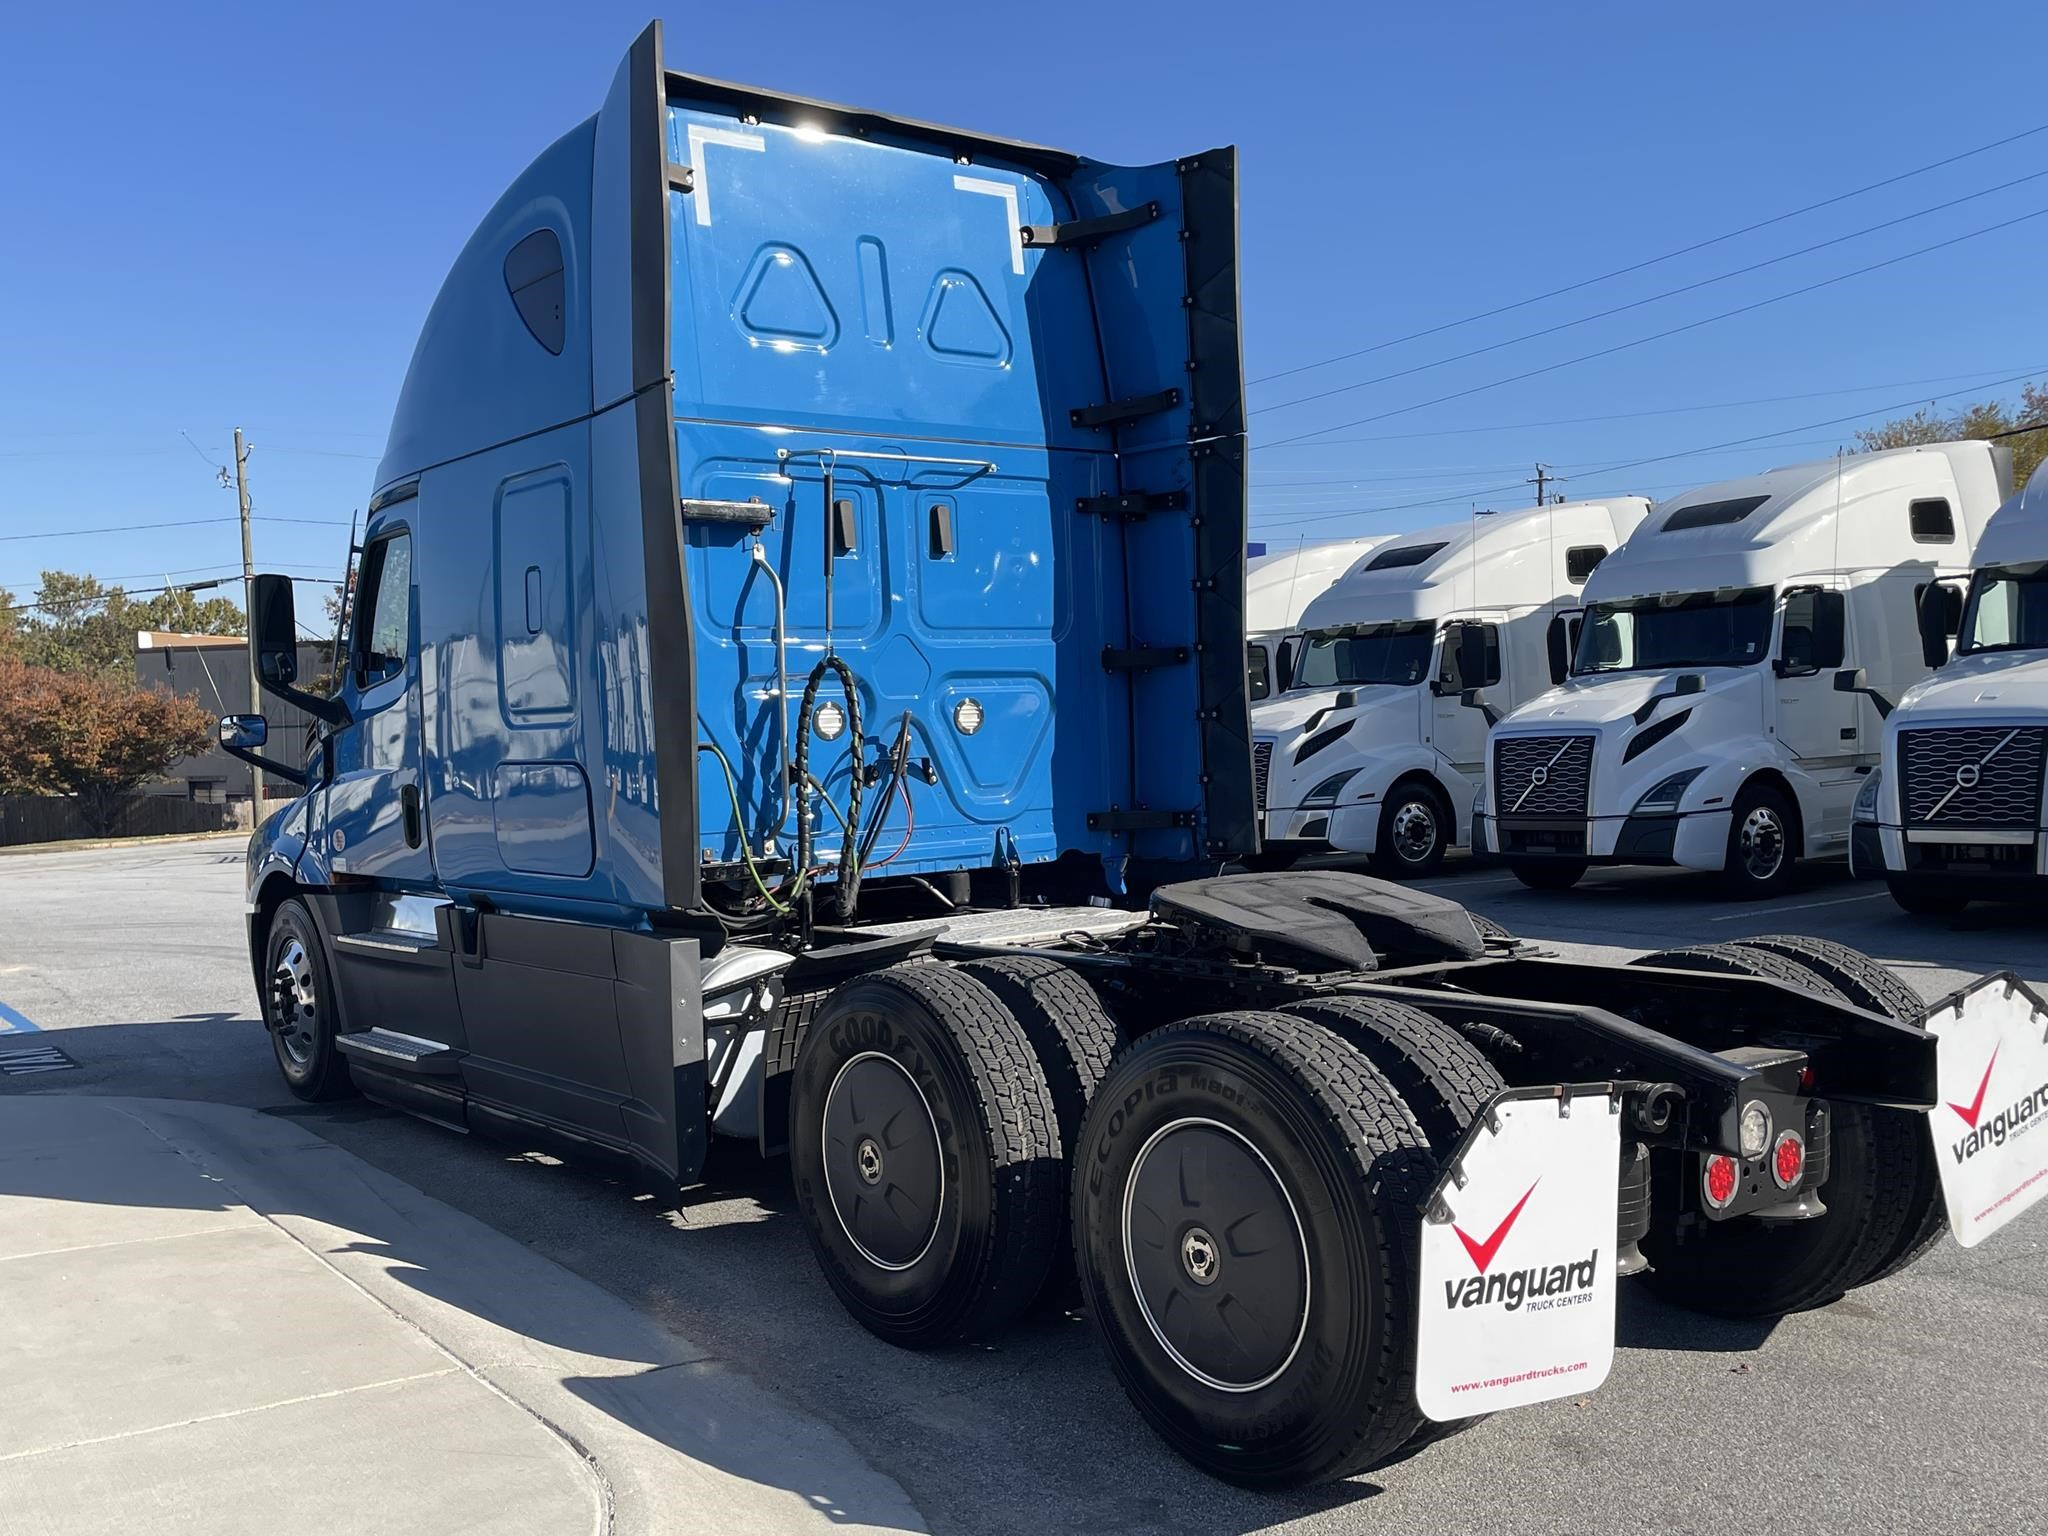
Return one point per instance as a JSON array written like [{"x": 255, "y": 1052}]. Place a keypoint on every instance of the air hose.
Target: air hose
[{"x": 847, "y": 891}]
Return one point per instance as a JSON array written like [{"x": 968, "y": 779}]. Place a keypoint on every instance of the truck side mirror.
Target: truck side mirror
[
  {"x": 243, "y": 732},
  {"x": 1934, "y": 628},
  {"x": 273, "y": 636},
  {"x": 1472, "y": 656}
]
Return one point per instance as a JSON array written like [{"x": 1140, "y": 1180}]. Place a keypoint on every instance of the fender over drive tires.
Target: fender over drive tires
[
  {"x": 301, "y": 1008},
  {"x": 1747, "y": 1268},
  {"x": 1246, "y": 1209},
  {"x": 925, "y": 1151}
]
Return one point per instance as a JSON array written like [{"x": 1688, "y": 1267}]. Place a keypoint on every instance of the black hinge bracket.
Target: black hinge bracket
[
  {"x": 682, "y": 177},
  {"x": 1099, "y": 416},
  {"x": 745, "y": 514},
  {"x": 1087, "y": 231},
  {"x": 1138, "y": 821},
  {"x": 1131, "y": 505},
  {"x": 1142, "y": 658}
]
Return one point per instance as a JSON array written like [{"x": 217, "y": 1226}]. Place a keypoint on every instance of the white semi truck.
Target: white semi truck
[
  {"x": 1278, "y": 586},
  {"x": 1707, "y": 722},
  {"x": 1376, "y": 744},
  {"x": 1954, "y": 811}
]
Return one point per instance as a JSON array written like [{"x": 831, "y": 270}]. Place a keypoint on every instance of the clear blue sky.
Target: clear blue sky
[{"x": 239, "y": 215}]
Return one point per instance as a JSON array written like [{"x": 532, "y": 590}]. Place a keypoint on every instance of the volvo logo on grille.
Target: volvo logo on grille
[
  {"x": 1540, "y": 774},
  {"x": 1967, "y": 776}
]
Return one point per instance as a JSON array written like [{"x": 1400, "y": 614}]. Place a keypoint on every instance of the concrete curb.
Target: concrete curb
[
  {"x": 682, "y": 1442},
  {"x": 80, "y": 844}
]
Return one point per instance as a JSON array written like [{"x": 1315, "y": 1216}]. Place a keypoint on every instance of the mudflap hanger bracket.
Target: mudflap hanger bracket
[
  {"x": 1086, "y": 232},
  {"x": 1518, "y": 1252}
]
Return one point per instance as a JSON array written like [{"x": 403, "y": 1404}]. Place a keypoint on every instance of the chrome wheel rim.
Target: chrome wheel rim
[
  {"x": 1762, "y": 843},
  {"x": 1414, "y": 832},
  {"x": 1216, "y": 1256},
  {"x": 294, "y": 1003}
]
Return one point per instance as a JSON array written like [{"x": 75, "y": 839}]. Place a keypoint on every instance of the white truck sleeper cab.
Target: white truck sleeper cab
[
  {"x": 1954, "y": 812},
  {"x": 1376, "y": 745},
  {"x": 1278, "y": 587},
  {"x": 1734, "y": 663}
]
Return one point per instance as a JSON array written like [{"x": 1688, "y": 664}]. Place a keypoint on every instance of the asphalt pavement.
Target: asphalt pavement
[{"x": 1913, "y": 1404}]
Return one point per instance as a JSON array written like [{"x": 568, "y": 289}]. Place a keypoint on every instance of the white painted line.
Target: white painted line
[
  {"x": 1007, "y": 191},
  {"x": 699, "y": 135},
  {"x": 1803, "y": 906}
]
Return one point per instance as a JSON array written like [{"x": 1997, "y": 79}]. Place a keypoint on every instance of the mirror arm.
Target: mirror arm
[
  {"x": 284, "y": 771},
  {"x": 328, "y": 711}
]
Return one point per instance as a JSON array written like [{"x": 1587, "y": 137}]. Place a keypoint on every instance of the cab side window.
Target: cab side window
[
  {"x": 1815, "y": 631},
  {"x": 383, "y": 633}
]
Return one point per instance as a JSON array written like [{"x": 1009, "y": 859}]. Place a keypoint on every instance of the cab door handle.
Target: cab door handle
[{"x": 409, "y": 810}]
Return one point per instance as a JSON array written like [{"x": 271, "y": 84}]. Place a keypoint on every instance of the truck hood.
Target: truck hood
[
  {"x": 1996, "y": 685},
  {"x": 1596, "y": 702},
  {"x": 1287, "y": 713}
]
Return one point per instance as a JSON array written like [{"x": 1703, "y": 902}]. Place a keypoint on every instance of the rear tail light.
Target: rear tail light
[
  {"x": 1788, "y": 1159},
  {"x": 1719, "y": 1180}
]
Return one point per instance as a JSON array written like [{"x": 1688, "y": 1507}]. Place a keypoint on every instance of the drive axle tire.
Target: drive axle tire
[
  {"x": 1548, "y": 874},
  {"x": 1074, "y": 1038},
  {"x": 1416, "y": 828},
  {"x": 1871, "y": 984},
  {"x": 300, "y": 1007},
  {"x": 1246, "y": 1217},
  {"x": 1747, "y": 1268},
  {"x": 925, "y": 1151}
]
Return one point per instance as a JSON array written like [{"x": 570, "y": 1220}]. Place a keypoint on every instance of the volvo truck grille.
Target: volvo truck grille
[
  {"x": 1262, "y": 769},
  {"x": 1542, "y": 775},
  {"x": 1972, "y": 776}
]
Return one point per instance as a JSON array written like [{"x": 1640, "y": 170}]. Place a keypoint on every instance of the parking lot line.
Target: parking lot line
[
  {"x": 1800, "y": 906},
  {"x": 13, "y": 1023}
]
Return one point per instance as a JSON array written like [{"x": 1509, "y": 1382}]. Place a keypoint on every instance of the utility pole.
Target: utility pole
[
  {"x": 1544, "y": 477},
  {"x": 249, "y": 614}
]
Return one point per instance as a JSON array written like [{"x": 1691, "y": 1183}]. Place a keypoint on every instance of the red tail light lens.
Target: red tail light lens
[
  {"x": 1788, "y": 1159},
  {"x": 1718, "y": 1181}
]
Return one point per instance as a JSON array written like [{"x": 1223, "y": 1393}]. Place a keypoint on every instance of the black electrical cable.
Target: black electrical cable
[{"x": 847, "y": 890}]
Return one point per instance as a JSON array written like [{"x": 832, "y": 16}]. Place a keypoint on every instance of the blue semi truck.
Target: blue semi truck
[{"x": 793, "y": 690}]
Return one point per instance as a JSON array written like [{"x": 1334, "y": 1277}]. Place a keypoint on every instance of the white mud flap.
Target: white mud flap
[
  {"x": 1990, "y": 1139},
  {"x": 1518, "y": 1277}
]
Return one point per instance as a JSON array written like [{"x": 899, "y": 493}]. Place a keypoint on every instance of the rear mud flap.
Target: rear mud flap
[
  {"x": 1991, "y": 1066},
  {"x": 1518, "y": 1275}
]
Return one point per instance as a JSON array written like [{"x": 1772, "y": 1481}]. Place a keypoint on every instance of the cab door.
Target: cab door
[
  {"x": 376, "y": 821},
  {"x": 1457, "y": 732},
  {"x": 1816, "y": 724}
]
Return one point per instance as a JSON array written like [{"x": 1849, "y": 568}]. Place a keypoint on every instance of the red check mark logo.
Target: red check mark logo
[
  {"x": 1976, "y": 1106},
  {"x": 1482, "y": 1253}
]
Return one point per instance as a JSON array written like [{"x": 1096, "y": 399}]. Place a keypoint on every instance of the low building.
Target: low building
[{"x": 214, "y": 669}]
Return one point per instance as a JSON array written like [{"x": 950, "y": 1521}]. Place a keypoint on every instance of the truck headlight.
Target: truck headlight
[
  {"x": 1866, "y": 796},
  {"x": 1665, "y": 794},
  {"x": 1326, "y": 792}
]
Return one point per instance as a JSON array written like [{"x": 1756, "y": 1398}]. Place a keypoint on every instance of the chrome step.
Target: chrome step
[{"x": 391, "y": 1051}]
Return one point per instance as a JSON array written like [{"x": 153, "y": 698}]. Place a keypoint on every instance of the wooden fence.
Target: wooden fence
[{"x": 53, "y": 819}]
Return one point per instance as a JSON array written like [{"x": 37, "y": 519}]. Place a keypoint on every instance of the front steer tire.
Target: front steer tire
[
  {"x": 925, "y": 1152},
  {"x": 1246, "y": 1209},
  {"x": 301, "y": 1009},
  {"x": 1747, "y": 1268}
]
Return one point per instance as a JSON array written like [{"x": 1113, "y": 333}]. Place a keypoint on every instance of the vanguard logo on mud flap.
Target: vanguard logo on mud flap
[
  {"x": 2023, "y": 1115},
  {"x": 1511, "y": 1288}
]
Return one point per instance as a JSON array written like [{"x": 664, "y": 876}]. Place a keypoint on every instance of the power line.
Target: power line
[
  {"x": 1660, "y": 458},
  {"x": 1684, "y": 250},
  {"x": 1603, "y": 314},
  {"x": 1676, "y": 330},
  {"x": 1671, "y": 410},
  {"x": 189, "y": 522},
  {"x": 133, "y": 592}
]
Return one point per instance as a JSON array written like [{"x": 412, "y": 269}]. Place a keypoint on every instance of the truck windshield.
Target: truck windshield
[
  {"x": 2007, "y": 609},
  {"x": 1364, "y": 653},
  {"x": 1676, "y": 629}
]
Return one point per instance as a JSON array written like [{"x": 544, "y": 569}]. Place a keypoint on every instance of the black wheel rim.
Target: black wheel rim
[
  {"x": 1216, "y": 1255},
  {"x": 883, "y": 1170}
]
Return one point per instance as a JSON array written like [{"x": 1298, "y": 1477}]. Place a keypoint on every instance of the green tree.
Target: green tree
[
  {"x": 77, "y": 625},
  {"x": 1984, "y": 419}
]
